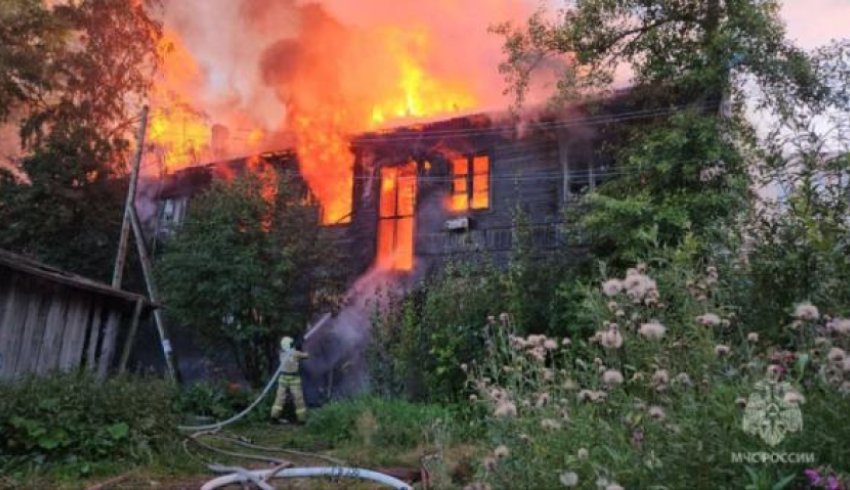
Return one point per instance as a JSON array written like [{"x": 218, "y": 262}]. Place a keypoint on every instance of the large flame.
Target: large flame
[
  {"x": 179, "y": 132},
  {"x": 278, "y": 74},
  {"x": 406, "y": 91}
]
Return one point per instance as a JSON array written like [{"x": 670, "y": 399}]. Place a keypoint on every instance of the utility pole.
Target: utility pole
[
  {"x": 121, "y": 258},
  {"x": 131, "y": 220},
  {"x": 153, "y": 294}
]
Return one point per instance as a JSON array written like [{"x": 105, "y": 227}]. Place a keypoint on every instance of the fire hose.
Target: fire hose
[
  {"x": 260, "y": 477},
  {"x": 219, "y": 425},
  {"x": 329, "y": 471}
]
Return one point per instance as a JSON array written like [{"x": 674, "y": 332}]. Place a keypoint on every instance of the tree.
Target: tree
[
  {"x": 683, "y": 173},
  {"x": 75, "y": 73},
  {"x": 247, "y": 268},
  {"x": 799, "y": 234},
  {"x": 675, "y": 50}
]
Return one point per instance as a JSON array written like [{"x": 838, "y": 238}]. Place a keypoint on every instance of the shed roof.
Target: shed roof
[{"x": 29, "y": 266}]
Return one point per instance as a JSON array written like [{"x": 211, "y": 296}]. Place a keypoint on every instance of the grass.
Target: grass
[{"x": 369, "y": 433}]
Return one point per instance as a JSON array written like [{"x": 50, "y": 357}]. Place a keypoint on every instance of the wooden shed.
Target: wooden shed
[{"x": 52, "y": 320}]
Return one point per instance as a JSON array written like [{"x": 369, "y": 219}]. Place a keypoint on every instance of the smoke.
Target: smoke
[
  {"x": 338, "y": 344},
  {"x": 257, "y": 57}
]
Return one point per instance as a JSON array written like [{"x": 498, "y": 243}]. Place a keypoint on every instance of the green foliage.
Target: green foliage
[
  {"x": 73, "y": 74},
  {"x": 71, "y": 419},
  {"x": 60, "y": 67},
  {"x": 68, "y": 216},
  {"x": 420, "y": 341},
  {"x": 675, "y": 50},
  {"x": 680, "y": 178},
  {"x": 217, "y": 401},
  {"x": 245, "y": 269},
  {"x": 555, "y": 411},
  {"x": 382, "y": 422}
]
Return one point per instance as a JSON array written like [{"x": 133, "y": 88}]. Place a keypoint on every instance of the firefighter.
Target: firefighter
[{"x": 289, "y": 383}]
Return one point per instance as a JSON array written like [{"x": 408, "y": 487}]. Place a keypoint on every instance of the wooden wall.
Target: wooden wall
[
  {"x": 540, "y": 173},
  {"x": 46, "y": 326}
]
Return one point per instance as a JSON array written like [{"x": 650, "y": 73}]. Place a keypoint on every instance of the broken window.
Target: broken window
[
  {"x": 470, "y": 183},
  {"x": 171, "y": 214}
]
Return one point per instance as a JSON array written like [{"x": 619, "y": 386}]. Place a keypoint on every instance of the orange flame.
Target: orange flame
[
  {"x": 405, "y": 90},
  {"x": 338, "y": 83}
]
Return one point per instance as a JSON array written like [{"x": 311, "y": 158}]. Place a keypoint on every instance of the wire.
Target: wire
[{"x": 403, "y": 133}]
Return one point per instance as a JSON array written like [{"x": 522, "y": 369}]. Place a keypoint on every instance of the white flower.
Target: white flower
[
  {"x": 501, "y": 452},
  {"x": 709, "y": 320},
  {"x": 582, "y": 454},
  {"x": 550, "y": 344},
  {"x": 657, "y": 412},
  {"x": 840, "y": 326},
  {"x": 536, "y": 340},
  {"x": 652, "y": 330},
  {"x": 565, "y": 341},
  {"x": 568, "y": 479},
  {"x": 612, "y": 287},
  {"x": 639, "y": 286},
  {"x": 721, "y": 350},
  {"x": 753, "y": 337},
  {"x": 660, "y": 377},
  {"x": 806, "y": 311},
  {"x": 836, "y": 354},
  {"x": 612, "y": 377},
  {"x": 794, "y": 397},
  {"x": 610, "y": 339},
  {"x": 683, "y": 379},
  {"x": 550, "y": 424},
  {"x": 505, "y": 409},
  {"x": 590, "y": 395}
]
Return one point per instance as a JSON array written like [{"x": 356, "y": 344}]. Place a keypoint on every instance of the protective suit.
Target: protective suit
[{"x": 289, "y": 382}]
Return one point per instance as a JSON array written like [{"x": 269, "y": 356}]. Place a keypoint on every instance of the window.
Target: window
[
  {"x": 397, "y": 208},
  {"x": 470, "y": 183}
]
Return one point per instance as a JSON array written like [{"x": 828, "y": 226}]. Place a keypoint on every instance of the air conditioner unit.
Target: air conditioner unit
[{"x": 457, "y": 224}]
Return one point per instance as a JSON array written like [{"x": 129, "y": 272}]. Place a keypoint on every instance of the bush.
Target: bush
[
  {"x": 633, "y": 403},
  {"x": 419, "y": 341},
  {"x": 71, "y": 418},
  {"x": 218, "y": 401},
  {"x": 375, "y": 422}
]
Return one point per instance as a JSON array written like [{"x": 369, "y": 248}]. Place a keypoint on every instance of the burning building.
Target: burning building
[
  {"x": 422, "y": 195},
  {"x": 380, "y": 111}
]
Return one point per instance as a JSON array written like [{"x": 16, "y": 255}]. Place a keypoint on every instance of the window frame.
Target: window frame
[{"x": 469, "y": 183}]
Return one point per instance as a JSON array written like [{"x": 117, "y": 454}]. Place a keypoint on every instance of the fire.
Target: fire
[
  {"x": 326, "y": 163},
  {"x": 417, "y": 93},
  {"x": 331, "y": 81},
  {"x": 182, "y": 134},
  {"x": 179, "y": 133},
  {"x": 403, "y": 89},
  {"x": 396, "y": 217}
]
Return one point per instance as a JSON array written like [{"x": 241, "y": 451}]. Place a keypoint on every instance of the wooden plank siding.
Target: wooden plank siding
[
  {"x": 50, "y": 320},
  {"x": 537, "y": 173}
]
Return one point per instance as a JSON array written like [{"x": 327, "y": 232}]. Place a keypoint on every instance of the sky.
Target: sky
[{"x": 812, "y": 23}]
